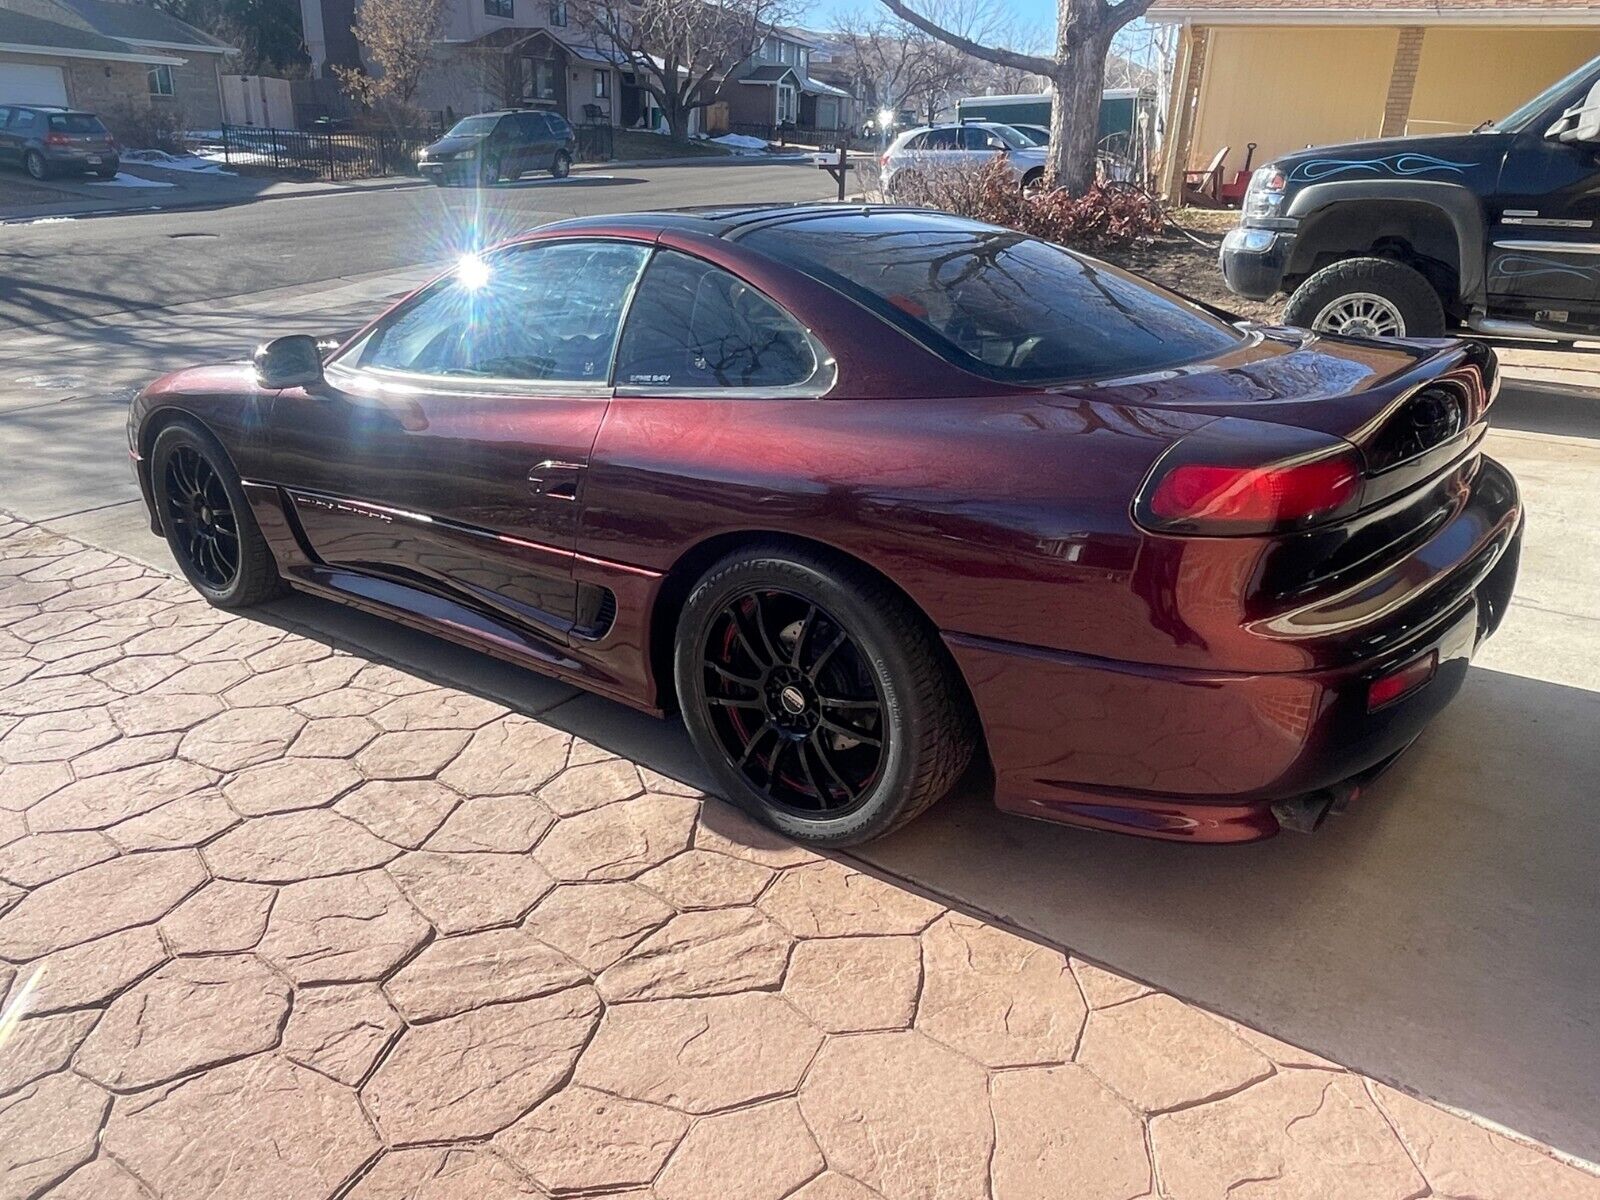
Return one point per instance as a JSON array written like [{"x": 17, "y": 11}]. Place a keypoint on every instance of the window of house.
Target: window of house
[
  {"x": 694, "y": 326},
  {"x": 558, "y": 13},
  {"x": 498, "y": 8},
  {"x": 544, "y": 313},
  {"x": 159, "y": 80},
  {"x": 785, "y": 103},
  {"x": 602, "y": 85}
]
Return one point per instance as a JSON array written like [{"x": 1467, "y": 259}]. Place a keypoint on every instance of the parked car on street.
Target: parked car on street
[
  {"x": 488, "y": 147},
  {"x": 45, "y": 140},
  {"x": 1406, "y": 237},
  {"x": 930, "y": 148},
  {"x": 870, "y": 494}
]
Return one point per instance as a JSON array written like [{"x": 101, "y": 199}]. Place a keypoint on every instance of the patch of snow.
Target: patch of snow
[
  {"x": 163, "y": 161},
  {"x": 741, "y": 143},
  {"x": 122, "y": 179},
  {"x": 51, "y": 220}
]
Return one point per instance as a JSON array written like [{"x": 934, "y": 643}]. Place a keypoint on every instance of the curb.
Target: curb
[{"x": 192, "y": 205}]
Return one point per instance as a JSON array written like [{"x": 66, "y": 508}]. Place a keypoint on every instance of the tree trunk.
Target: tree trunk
[{"x": 1075, "y": 116}]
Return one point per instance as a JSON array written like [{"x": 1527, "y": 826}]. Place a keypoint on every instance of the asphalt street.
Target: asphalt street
[{"x": 1441, "y": 935}]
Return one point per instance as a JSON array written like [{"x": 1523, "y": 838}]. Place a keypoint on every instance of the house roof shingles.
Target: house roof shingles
[
  {"x": 19, "y": 29},
  {"x": 140, "y": 23},
  {"x": 1422, "y": 8}
]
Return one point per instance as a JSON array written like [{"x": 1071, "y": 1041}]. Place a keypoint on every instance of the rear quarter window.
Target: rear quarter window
[{"x": 999, "y": 303}]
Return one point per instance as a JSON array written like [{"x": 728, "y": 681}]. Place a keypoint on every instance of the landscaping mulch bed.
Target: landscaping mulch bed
[{"x": 1184, "y": 258}]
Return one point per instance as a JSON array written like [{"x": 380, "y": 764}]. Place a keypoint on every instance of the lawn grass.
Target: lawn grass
[{"x": 631, "y": 145}]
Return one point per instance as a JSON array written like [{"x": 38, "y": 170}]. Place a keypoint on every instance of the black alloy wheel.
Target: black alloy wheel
[
  {"x": 207, "y": 520},
  {"x": 561, "y": 166},
  {"x": 821, "y": 700},
  {"x": 793, "y": 703},
  {"x": 204, "y": 525}
]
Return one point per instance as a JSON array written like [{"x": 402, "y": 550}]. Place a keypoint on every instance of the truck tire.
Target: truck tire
[{"x": 1367, "y": 297}]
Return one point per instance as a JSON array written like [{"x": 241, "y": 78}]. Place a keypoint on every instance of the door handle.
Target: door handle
[{"x": 555, "y": 479}]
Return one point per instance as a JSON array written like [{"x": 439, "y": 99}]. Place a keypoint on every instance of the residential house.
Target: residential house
[
  {"x": 775, "y": 86},
  {"x": 1291, "y": 73},
  {"x": 104, "y": 56},
  {"x": 498, "y": 54}
]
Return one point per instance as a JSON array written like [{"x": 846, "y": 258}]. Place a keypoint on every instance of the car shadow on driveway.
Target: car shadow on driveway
[{"x": 1440, "y": 935}]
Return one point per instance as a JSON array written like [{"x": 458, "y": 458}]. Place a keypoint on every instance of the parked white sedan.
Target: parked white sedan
[{"x": 970, "y": 143}]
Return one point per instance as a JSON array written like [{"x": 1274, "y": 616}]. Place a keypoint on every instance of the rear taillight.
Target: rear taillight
[
  {"x": 1388, "y": 688},
  {"x": 1248, "y": 477},
  {"x": 57, "y": 139}
]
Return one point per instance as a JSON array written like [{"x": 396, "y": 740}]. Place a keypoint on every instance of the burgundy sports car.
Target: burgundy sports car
[{"x": 873, "y": 495}]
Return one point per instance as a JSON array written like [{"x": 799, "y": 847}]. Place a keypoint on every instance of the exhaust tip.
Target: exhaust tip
[{"x": 1304, "y": 814}]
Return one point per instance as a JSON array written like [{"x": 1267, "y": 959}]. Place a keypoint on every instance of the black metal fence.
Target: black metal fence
[
  {"x": 325, "y": 154},
  {"x": 335, "y": 154},
  {"x": 596, "y": 143}
]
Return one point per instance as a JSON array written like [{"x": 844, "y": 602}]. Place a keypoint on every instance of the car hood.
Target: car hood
[
  {"x": 451, "y": 145},
  {"x": 1448, "y": 158}
]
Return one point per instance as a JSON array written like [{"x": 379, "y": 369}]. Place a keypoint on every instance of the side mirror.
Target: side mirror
[
  {"x": 288, "y": 362},
  {"x": 1581, "y": 122}
]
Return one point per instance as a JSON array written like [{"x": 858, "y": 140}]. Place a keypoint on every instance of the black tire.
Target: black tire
[
  {"x": 1337, "y": 290},
  {"x": 253, "y": 574},
  {"x": 1033, "y": 179},
  {"x": 107, "y": 172},
  {"x": 36, "y": 164},
  {"x": 489, "y": 172},
  {"x": 837, "y": 791},
  {"x": 561, "y": 167}
]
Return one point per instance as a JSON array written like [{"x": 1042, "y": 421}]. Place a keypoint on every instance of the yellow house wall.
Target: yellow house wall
[
  {"x": 1468, "y": 75},
  {"x": 1284, "y": 87}
]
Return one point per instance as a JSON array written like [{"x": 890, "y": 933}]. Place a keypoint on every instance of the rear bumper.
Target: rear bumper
[{"x": 1192, "y": 755}]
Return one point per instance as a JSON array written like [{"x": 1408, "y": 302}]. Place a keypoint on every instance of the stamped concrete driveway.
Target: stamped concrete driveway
[{"x": 281, "y": 919}]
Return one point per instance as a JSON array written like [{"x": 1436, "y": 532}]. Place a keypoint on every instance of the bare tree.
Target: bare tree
[
  {"x": 1076, "y": 71},
  {"x": 397, "y": 40},
  {"x": 899, "y": 66},
  {"x": 682, "y": 51}
]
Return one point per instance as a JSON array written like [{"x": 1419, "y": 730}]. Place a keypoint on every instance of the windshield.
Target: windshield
[
  {"x": 1036, "y": 135},
  {"x": 1008, "y": 135},
  {"x": 1530, "y": 110},
  {"x": 999, "y": 303},
  {"x": 76, "y": 123},
  {"x": 473, "y": 127}
]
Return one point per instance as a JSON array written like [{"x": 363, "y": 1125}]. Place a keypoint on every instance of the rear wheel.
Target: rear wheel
[
  {"x": 207, "y": 520},
  {"x": 562, "y": 166},
  {"x": 1367, "y": 297},
  {"x": 819, "y": 698},
  {"x": 107, "y": 172},
  {"x": 37, "y": 167}
]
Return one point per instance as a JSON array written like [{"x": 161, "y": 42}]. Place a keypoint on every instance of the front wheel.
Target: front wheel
[
  {"x": 819, "y": 697},
  {"x": 1367, "y": 298},
  {"x": 562, "y": 166},
  {"x": 207, "y": 520},
  {"x": 489, "y": 172}
]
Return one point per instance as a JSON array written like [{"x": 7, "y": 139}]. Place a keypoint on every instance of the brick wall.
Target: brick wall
[
  {"x": 1402, "y": 81},
  {"x": 195, "y": 90},
  {"x": 103, "y": 86}
]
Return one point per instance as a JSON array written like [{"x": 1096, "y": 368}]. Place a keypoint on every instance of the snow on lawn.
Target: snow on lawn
[
  {"x": 163, "y": 161},
  {"x": 123, "y": 179},
  {"x": 741, "y": 144}
]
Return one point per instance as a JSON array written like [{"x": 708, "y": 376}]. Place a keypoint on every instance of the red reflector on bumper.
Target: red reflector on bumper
[{"x": 1407, "y": 679}]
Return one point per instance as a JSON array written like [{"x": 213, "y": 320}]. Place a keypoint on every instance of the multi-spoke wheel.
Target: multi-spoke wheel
[
  {"x": 207, "y": 521},
  {"x": 1367, "y": 298},
  {"x": 819, "y": 697}
]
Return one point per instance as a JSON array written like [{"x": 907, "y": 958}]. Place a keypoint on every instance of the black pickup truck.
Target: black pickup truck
[{"x": 1403, "y": 237}]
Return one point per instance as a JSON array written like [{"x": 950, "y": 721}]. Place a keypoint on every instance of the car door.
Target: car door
[
  {"x": 447, "y": 449},
  {"x": 980, "y": 144},
  {"x": 8, "y": 152},
  {"x": 1544, "y": 254},
  {"x": 539, "y": 142}
]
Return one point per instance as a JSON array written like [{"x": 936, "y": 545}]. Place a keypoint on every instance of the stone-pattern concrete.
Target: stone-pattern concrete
[{"x": 277, "y": 921}]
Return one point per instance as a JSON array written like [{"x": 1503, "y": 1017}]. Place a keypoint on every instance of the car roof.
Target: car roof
[{"x": 731, "y": 221}]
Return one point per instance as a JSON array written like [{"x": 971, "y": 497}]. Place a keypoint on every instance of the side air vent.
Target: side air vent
[{"x": 597, "y": 611}]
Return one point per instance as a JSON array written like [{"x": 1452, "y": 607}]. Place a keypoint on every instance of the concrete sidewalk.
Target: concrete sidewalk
[{"x": 282, "y": 919}]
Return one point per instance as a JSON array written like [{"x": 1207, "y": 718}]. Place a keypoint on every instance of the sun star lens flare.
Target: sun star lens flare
[{"x": 472, "y": 271}]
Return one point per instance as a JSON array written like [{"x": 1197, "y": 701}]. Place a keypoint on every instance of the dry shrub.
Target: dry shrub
[
  {"x": 147, "y": 126},
  {"x": 1107, "y": 216}
]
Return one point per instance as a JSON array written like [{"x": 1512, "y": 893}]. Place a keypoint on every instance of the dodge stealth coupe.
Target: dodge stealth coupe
[{"x": 875, "y": 495}]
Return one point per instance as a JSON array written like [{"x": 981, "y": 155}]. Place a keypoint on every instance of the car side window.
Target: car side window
[
  {"x": 973, "y": 138},
  {"x": 5, "y": 115},
  {"x": 24, "y": 121},
  {"x": 693, "y": 326},
  {"x": 542, "y": 313},
  {"x": 919, "y": 142},
  {"x": 559, "y": 126},
  {"x": 942, "y": 139},
  {"x": 533, "y": 127}
]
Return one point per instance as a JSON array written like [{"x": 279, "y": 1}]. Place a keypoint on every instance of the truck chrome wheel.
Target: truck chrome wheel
[{"x": 1360, "y": 314}]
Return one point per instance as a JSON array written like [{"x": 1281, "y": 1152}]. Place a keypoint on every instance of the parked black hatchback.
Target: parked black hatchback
[
  {"x": 47, "y": 141},
  {"x": 486, "y": 148}
]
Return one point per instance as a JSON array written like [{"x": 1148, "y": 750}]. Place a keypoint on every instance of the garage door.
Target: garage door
[{"x": 31, "y": 83}]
